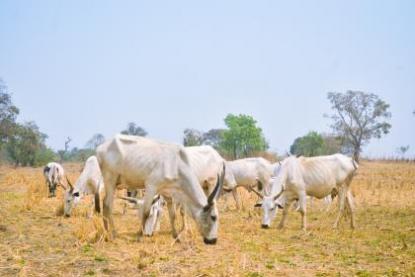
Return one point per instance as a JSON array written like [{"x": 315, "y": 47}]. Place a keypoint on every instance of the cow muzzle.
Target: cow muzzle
[{"x": 210, "y": 241}]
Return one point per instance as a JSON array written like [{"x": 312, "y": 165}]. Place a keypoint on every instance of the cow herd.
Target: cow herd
[{"x": 193, "y": 178}]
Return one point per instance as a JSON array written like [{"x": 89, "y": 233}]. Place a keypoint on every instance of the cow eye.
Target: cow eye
[{"x": 213, "y": 217}]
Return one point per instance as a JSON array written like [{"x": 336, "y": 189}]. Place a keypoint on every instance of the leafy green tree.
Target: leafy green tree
[
  {"x": 134, "y": 130},
  {"x": 44, "y": 155},
  {"x": 8, "y": 114},
  {"x": 315, "y": 144},
  {"x": 25, "y": 145},
  {"x": 243, "y": 138},
  {"x": 358, "y": 117},
  {"x": 309, "y": 145},
  {"x": 192, "y": 137}
]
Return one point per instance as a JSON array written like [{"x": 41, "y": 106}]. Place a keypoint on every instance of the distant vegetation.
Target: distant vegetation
[
  {"x": 242, "y": 138},
  {"x": 357, "y": 118}
]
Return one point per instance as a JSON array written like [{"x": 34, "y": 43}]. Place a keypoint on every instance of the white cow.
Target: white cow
[
  {"x": 160, "y": 168},
  {"x": 207, "y": 164},
  {"x": 247, "y": 173},
  {"x": 54, "y": 176},
  {"x": 317, "y": 177},
  {"x": 89, "y": 182}
]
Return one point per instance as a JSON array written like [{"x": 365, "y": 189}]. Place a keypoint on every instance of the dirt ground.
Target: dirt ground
[{"x": 35, "y": 240}]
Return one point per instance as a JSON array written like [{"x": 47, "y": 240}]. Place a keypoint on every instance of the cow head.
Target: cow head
[
  {"x": 209, "y": 218},
  {"x": 152, "y": 223},
  {"x": 153, "y": 220},
  {"x": 71, "y": 198},
  {"x": 270, "y": 204}
]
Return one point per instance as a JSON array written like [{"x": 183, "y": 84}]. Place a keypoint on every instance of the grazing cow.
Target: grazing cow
[
  {"x": 247, "y": 173},
  {"x": 206, "y": 164},
  {"x": 153, "y": 221},
  {"x": 317, "y": 177},
  {"x": 160, "y": 168},
  {"x": 54, "y": 175},
  {"x": 89, "y": 182}
]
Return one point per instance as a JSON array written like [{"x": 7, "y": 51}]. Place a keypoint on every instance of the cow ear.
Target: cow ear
[{"x": 76, "y": 194}]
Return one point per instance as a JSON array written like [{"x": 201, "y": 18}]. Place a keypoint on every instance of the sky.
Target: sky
[{"x": 78, "y": 68}]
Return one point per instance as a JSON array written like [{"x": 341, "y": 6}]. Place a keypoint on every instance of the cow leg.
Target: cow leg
[
  {"x": 237, "y": 198},
  {"x": 342, "y": 196},
  {"x": 302, "y": 201},
  {"x": 183, "y": 214},
  {"x": 284, "y": 214},
  {"x": 110, "y": 184},
  {"x": 97, "y": 203},
  {"x": 53, "y": 190},
  {"x": 351, "y": 208},
  {"x": 172, "y": 216}
]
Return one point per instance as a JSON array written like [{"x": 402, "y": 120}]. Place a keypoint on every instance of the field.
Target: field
[{"x": 36, "y": 241}]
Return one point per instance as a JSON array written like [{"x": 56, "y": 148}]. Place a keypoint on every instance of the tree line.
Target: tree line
[{"x": 357, "y": 118}]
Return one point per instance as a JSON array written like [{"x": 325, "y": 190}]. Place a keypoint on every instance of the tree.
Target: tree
[
  {"x": 315, "y": 144},
  {"x": 134, "y": 130},
  {"x": 8, "y": 114},
  {"x": 95, "y": 141},
  {"x": 64, "y": 153},
  {"x": 331, "y": 144},
  {"x": 242, "y": 138},
  {"x": 26, "y": 144},
  {"x": 358, "y": 118},
  {"x": 192, "y": 137},
  {"x": 213, "y": 138},
  {"x": 309, "y": 145}
]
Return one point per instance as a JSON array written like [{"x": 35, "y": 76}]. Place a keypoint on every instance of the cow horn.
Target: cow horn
[
  {"x": 257, "y": 193},
  {"x": 218, "y": 187},
  {"x": 279, "y": 194},
  {"x": 69, "y": 182}
]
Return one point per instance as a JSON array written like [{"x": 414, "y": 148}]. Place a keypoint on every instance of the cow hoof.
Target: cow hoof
[{"x": 264, "y": 226}]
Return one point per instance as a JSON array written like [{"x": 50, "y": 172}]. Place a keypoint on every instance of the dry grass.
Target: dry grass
[{"x": 35, "y": 240}]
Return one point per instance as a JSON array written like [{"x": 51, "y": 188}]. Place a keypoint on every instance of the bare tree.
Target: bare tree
[
  {"x": 62, "y": 153},
  {"x": 192, "y": 137},
  {"x": 358, "y": 118},
  {"x": 95, "y": 141}
]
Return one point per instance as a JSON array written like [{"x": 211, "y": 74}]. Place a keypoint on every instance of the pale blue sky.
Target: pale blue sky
[{"x": 82, "y": 67}]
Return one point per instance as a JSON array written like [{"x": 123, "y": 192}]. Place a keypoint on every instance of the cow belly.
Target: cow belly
[{"x": 319, "y": 191}]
